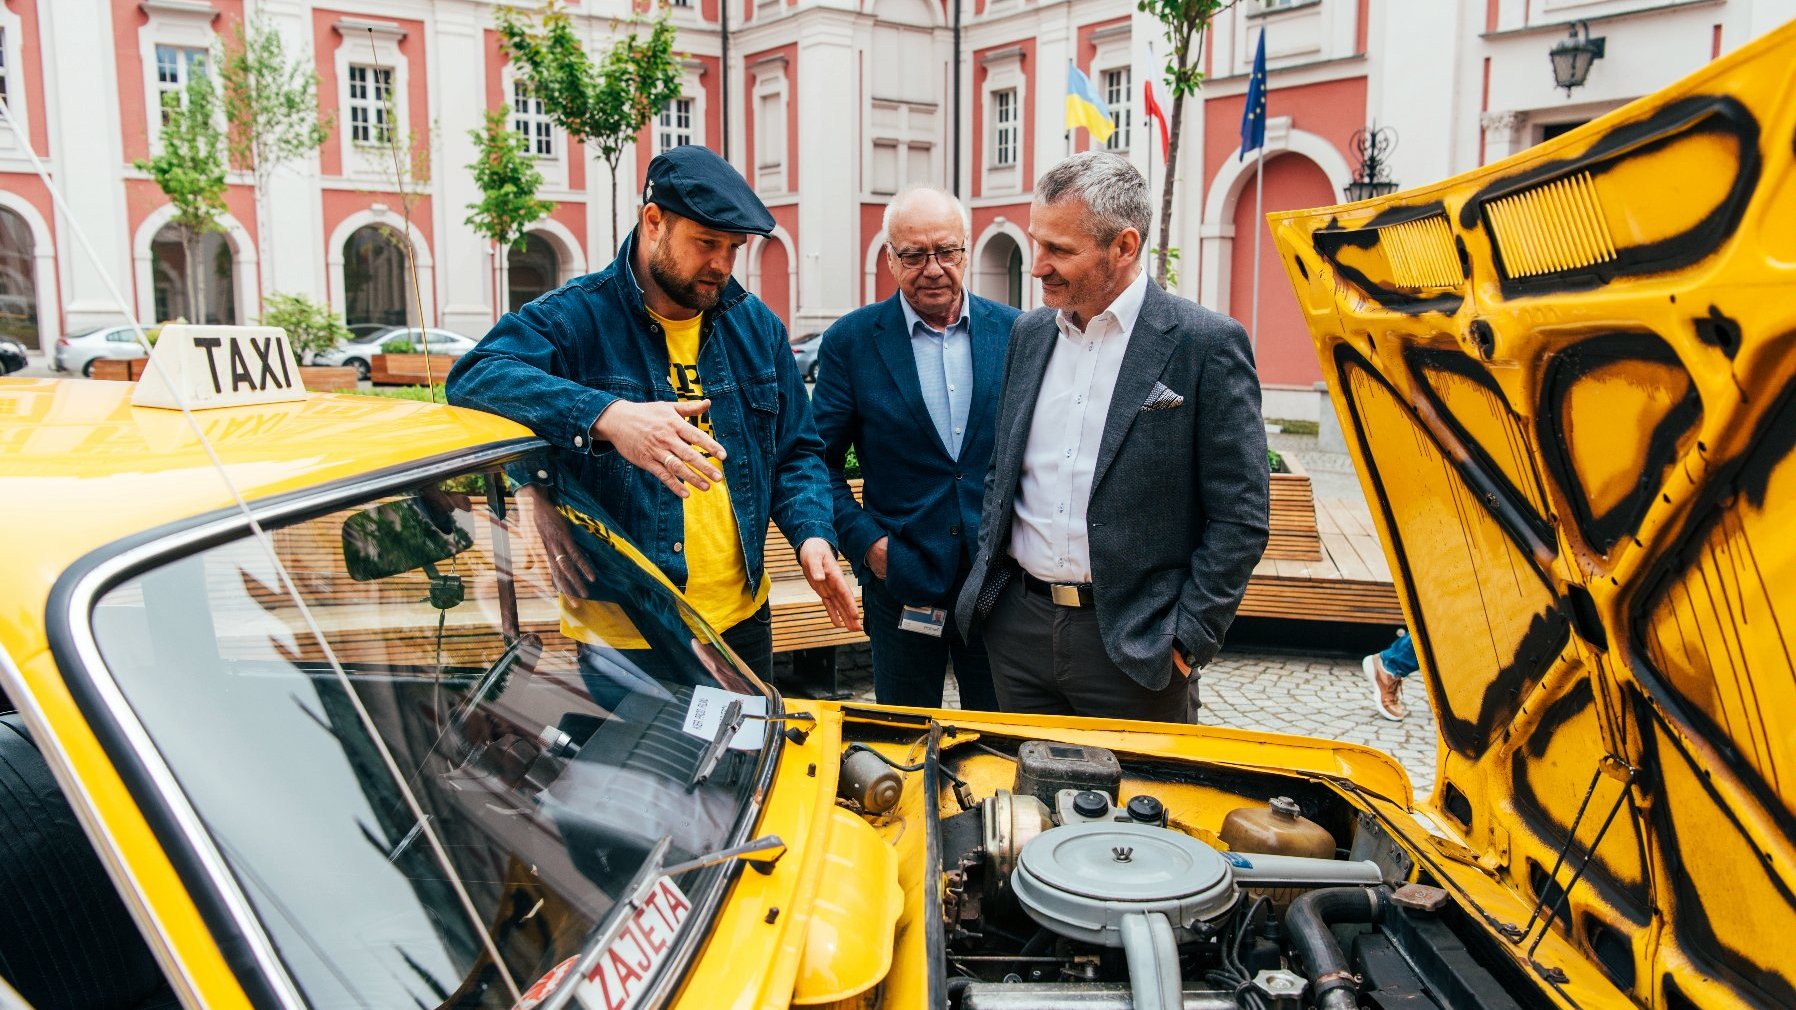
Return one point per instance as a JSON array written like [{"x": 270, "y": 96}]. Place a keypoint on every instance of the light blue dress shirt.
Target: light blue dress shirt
[{"x": 945, "y": 370}]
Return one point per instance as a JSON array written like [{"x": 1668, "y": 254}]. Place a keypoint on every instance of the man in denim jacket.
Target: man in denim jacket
[{"x": 672, "y": 395}]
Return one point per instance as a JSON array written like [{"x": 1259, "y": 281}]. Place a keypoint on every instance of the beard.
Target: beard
[{"x": 684, "y": 291}]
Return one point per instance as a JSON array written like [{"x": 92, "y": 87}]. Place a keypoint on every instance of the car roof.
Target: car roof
[{"x": 94, "y": 469}]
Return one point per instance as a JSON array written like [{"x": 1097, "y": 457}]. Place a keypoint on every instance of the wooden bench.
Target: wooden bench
[
  {"x": 410, "y": 369},
  {"x": 799, "y": 620},
  {"x": 1351, "y": 582},
  {"x": 1293, "y": 534},
  {"x": 328, "y": 379},
  {"x": 118, "y": 369}
]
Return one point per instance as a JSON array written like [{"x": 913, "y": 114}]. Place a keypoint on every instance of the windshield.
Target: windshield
[{"x": 550, "y": 742}]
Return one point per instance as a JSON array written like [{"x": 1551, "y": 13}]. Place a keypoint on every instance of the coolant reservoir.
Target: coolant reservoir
[{"x": 1280, "y": 829}]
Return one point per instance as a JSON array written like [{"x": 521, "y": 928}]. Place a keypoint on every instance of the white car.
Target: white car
[
  {"x": 77, "y": 352},
  {"x": 358, "y": 352}
]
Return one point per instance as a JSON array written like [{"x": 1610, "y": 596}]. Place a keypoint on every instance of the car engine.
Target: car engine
[{"x": 1071, "y": 888}]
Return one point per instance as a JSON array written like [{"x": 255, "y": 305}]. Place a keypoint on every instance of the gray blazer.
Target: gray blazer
[{"x": 1179, "y": 501}]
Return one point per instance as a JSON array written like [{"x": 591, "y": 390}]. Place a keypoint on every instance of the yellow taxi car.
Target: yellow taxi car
[{"x": 299, "y": 721}]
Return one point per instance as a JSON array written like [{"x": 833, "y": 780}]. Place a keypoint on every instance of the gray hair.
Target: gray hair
[
  {"x": 908, "y": 195},
  {"x": 1113, "y": 192}
]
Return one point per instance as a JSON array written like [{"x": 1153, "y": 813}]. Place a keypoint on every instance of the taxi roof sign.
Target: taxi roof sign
[{"x": 219, "y": 366}]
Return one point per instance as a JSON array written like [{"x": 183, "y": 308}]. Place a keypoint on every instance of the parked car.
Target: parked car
[
  {"x": 805, "y": 348},
  {"x": 359, "y": 353},
  {"x": 77, "y": 352},
  {"x": 12, "y": 356},
  {"x": 336, "y": 745}
]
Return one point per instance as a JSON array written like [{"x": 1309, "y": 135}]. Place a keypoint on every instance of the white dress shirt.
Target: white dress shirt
[{"x": 1048, "y": 538}]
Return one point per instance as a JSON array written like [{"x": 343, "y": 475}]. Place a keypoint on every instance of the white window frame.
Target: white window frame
[
  {"x": 362, "y": 93},
  {"x": 771, "y": 173},
  {"x": 668, "y": 131},
  {"x": 1122, "y": 106},
  {"x": 12, "y": 78},
  {"x": 1007, "y": 128},
  {"x": 1004, "y": 72},
  {"x": 181, "y": 24},
  {"x": 529, "y": 119},
  {"x": 372, "y": 160}
]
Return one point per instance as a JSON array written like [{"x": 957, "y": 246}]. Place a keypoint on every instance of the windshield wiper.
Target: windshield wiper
[
  {"x": 714, "y": 751},
  {"x": 768, "y": 847}
]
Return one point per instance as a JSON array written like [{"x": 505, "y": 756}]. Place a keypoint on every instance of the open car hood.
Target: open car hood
[{"x": 1566, "y": 382}]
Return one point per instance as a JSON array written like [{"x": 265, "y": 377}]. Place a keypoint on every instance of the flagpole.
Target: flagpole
[{"x": 1259, "y": 199}]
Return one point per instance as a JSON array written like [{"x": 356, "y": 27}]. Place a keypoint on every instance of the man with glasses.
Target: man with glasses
[{"x": 910, "y": 384}]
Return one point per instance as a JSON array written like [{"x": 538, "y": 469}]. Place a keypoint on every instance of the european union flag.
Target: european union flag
[{"x": 1253, "y": 115}]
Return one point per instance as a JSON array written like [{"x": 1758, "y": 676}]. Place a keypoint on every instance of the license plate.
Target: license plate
[{"x": 617, "y": 981}]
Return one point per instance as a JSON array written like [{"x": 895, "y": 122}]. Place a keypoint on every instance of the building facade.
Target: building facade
[{"x": 828, "y": 107}]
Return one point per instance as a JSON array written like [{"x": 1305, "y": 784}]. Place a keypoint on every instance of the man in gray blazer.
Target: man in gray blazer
[{"x": 1126, "y": 504}]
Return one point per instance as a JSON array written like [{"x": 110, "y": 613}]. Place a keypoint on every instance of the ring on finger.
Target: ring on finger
[{"x": 668, "y": 461}]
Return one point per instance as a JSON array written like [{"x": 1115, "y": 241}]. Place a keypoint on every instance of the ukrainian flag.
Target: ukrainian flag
[{"x": 1085, "y": 108}]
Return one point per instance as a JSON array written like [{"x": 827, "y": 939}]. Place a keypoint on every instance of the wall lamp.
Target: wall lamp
[{"x": 1573, "y": 56}]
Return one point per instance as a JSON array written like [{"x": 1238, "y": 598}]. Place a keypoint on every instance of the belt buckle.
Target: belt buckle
[{"x": 1064, "y": 595}]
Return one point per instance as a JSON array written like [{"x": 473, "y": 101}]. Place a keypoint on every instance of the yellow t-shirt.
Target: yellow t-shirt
[{"x": 716, "y": 572}]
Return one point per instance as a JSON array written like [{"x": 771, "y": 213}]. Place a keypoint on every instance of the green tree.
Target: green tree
[
  {"x": 604, "y": 105},
  {"x": 1186, "y": 23},
  {"x": 311, "y": 326},
  {"x": 508, "y": 181},
  {"x": 271, "y": 112},
  {"x": 190, "y": 169}
]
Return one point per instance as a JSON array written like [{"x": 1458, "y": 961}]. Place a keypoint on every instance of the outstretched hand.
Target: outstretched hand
[
  {"x": 817, "y": 559},
  {"x": 661, "y": 439}
]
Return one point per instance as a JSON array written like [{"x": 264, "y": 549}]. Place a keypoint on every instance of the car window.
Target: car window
[
  {"x": 435, "y": 337},
  {"x": 544, "y": 739},
  {"x": 121, "y": 337}
]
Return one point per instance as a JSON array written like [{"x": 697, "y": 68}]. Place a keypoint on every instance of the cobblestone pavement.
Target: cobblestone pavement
[{"x": 1282, "y": 692}]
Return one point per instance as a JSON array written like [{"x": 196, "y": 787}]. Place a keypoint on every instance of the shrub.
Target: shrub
[
  {"x": 1276, "y": 462},
  {"x": 422, "y": 394},
  {"x": 401, "y": 344},
  {"x": 310, "y": 326}
]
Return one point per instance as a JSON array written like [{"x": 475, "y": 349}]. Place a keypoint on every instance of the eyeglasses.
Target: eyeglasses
[{"x": 949, "y": 258}]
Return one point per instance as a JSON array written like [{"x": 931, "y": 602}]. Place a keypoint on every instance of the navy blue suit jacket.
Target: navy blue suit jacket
[{"x": 868, "y": 396}]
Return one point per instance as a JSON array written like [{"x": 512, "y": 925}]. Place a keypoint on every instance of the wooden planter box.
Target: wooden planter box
[
  {"x": 127, "y": 370},
  {"x": 1294, "y": 535},
  {"x": 410, "y": 369},
  {"x": 327, "y": 379}
]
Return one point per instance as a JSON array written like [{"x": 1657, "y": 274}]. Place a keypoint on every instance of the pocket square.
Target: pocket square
[{"x": 1162, "y": 398}]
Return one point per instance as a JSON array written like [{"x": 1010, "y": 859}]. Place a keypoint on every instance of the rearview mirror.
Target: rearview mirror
[{"x": 400, "y": 536}]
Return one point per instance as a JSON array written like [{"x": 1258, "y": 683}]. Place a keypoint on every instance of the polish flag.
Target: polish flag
[{"x": 1159, "y": 107}]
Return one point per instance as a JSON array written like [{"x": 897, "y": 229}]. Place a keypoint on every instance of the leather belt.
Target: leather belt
[{"x": 1064, "y": 594}]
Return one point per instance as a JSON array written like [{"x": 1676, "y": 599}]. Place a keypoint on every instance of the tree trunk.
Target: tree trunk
[
  {"x": 613, "y": 163},
  {"x": 190, "y": 253},
  {"x": 1172, "y": 170},
  {"x": 264, "y": 249}
]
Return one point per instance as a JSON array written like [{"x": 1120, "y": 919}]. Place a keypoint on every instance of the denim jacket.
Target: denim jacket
[{"x": 558, "y": 362}]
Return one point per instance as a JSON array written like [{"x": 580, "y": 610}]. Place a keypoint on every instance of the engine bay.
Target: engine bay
[{"x": 1071, "y": 876}]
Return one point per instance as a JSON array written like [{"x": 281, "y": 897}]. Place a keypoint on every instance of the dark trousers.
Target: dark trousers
[
  {"x": 909, "y": 667},
  {"x": 1050, "y": 660},
  {"x": 611, "y": 675}
]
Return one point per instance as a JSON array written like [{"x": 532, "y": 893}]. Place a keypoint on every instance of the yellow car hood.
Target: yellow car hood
[{"x": 1565, "y": 381}]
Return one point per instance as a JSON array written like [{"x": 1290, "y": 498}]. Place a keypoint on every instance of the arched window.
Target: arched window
[
  {"x": 18, "y": 279},
  {"x": 376, "y": 282},
  {"x": 532, "y": 271},
  {"x": 214, "y": 288}
]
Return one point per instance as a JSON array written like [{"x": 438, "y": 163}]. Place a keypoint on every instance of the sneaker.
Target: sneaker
[{"x": 1387, "y": 691}]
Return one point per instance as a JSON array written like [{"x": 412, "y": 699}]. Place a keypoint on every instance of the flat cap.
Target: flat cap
[{"x": 693, "y": 182}]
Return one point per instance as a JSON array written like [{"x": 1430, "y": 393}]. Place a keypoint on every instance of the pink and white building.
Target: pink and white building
[{"x": 827, "y": 106}]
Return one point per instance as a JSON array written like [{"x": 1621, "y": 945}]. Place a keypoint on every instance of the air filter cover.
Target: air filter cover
[{"x": 1081, "y": 880}]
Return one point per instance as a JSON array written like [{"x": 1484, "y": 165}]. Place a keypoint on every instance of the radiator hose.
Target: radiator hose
[{"x": 1332, "y": 986}]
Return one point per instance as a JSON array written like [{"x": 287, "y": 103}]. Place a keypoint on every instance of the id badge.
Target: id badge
[{"x": 923, "y": 620}]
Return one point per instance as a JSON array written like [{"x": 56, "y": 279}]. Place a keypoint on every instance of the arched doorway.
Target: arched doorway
[
  {"x": 376, "y": 283},
  {"x": 531, "y": 272},
  {"x": 776, "y": 279},
  {"x": 1282, "y": 348},
  {"x": 215, "y": 288},
  {"x": 18, "y": 279},
  {"x": 999, "y": 272}
]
